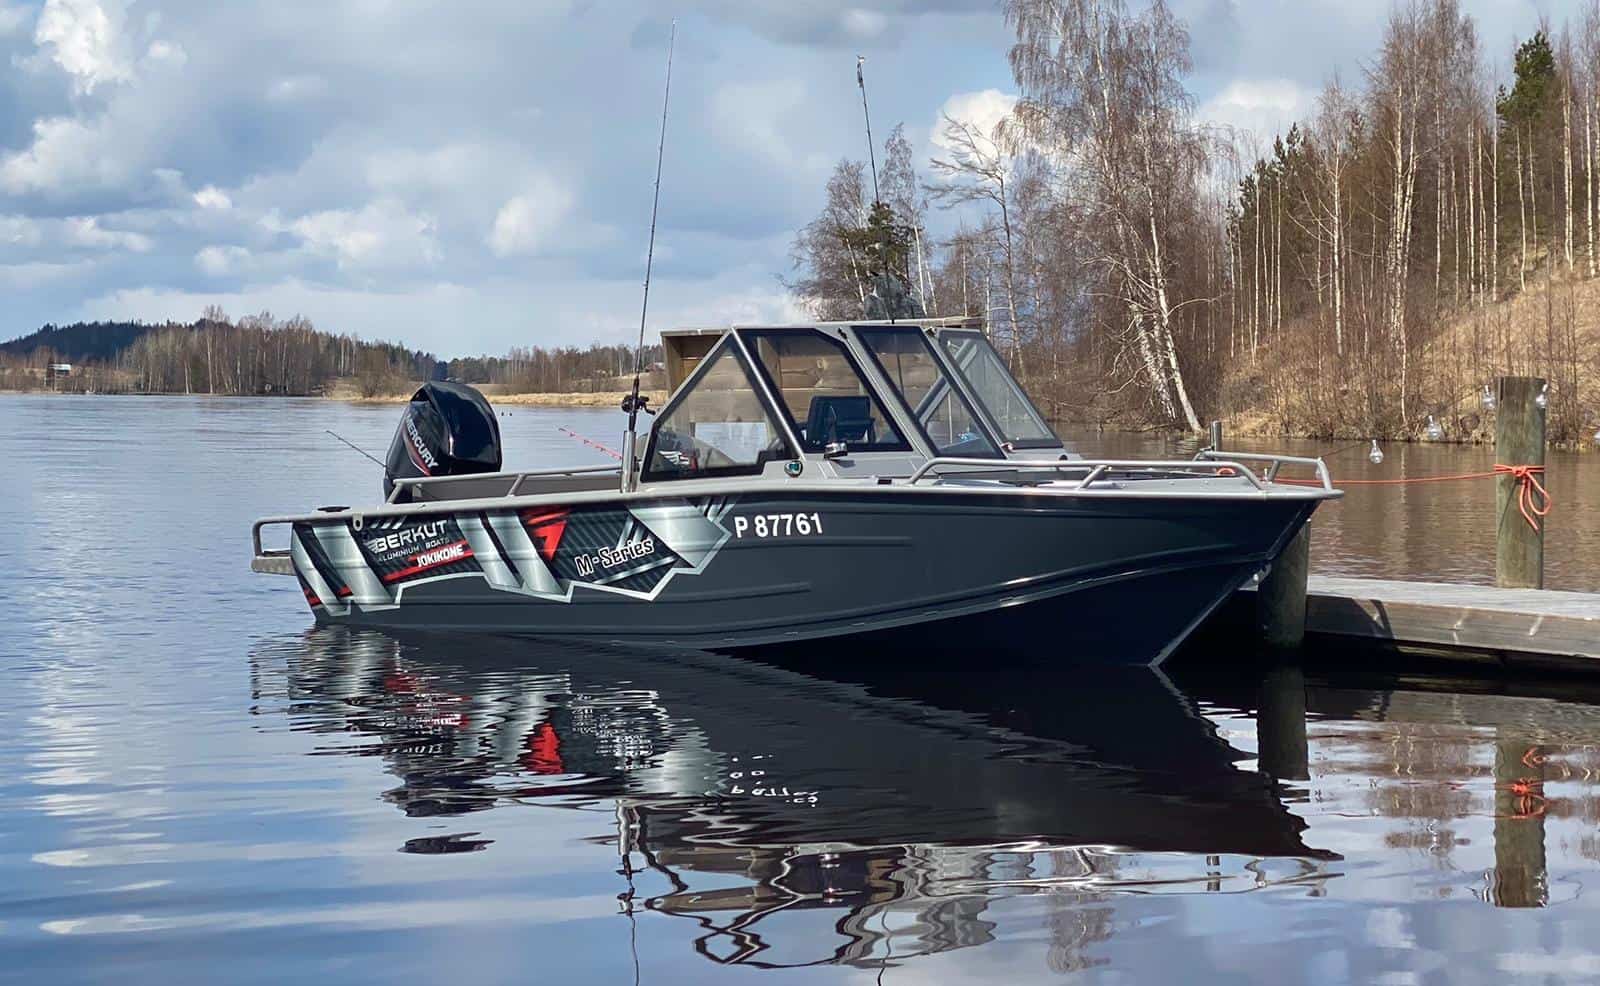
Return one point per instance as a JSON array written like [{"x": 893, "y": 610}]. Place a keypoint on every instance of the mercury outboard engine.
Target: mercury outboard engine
[{"x": 448, "y": 429}]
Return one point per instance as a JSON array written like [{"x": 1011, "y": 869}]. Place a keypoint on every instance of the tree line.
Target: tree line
[
  {"x": 1358, "y": 274},
  {"x": 263, "y": 355}
]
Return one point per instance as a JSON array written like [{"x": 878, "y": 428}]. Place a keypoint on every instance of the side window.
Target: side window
[
  {"x": 719, "y": 426},
  {"x": 947, "y": 420},
  {"x": 823, "y": 391}
]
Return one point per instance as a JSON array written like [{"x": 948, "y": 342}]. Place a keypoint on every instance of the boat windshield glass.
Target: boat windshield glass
[
  {"x": 1019, "y": 421},
  {"x": 824, "y": 392},
  {"x": 947, "y": 420},
  {"x": 717, "y": 426}
]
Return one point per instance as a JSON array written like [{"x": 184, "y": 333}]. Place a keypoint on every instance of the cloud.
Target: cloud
[
  {"x": 863, "y": 25},
  {"x": 19, "y": 231},
  {"x": 837, "y": 22},
  {"x": 85, "y": 231},
  {"x": 383, "y": 234},
  {"x": 525, "y": 223},
  {"x": 212, "y": 197},
  {"x": 85, "y": 38},
  {"x": 33, "y": 275},
  {"x": 76, "y": 233},
  {"x": 166, "y": 53},
  {"x": 759, "y": 117},
  {"x": 220, "y": 261},
  {"x": 294, "y": 88},
  {"x": 984, "y": 110},
  {"x": 1263, "y": 107}
]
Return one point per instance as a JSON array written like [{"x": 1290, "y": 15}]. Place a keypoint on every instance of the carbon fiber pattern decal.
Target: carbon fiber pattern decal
[{"x": 544, "y": 552}]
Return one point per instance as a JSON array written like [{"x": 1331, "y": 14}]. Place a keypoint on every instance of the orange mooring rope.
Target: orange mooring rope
[{"x": 1533, "y": 499}]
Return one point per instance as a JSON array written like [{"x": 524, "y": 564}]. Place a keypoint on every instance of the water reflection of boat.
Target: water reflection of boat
[{"x": 754, "y": 791}]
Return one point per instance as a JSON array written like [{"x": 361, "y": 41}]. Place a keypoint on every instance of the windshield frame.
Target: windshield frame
[
  {"x": 947, "y": 379},
  {"x": 757, "y": 384},
  {"x": 1018, "y": 392}
]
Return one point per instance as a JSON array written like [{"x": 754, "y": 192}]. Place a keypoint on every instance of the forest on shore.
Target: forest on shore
[
  {"x": 260, "y": 355},
  {"x": 1430, "y": 226}
]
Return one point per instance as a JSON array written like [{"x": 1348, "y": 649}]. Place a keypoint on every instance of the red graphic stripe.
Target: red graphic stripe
[{"x": 418, "y": 565}]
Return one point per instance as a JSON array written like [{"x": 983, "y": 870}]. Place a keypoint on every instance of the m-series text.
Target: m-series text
[{"x": 609, "y": 558}]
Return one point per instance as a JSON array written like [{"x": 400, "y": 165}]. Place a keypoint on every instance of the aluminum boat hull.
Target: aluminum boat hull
[{"x": 1047, "y": 578}]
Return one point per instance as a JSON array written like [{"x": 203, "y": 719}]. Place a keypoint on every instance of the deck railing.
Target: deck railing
[{"x": 1207, "y": 463}]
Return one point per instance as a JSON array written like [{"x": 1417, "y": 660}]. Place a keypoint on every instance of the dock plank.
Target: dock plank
[{"x": 1530, "y": 623}]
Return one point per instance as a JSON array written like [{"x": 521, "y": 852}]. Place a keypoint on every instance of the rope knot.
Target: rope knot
[{"x": 1532, "y": 498}]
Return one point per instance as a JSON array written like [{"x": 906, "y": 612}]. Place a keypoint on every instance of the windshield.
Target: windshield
[
  {"x": 1019, "y": 421},
  {"x": 827, "y": 399},
  {"x": 947, "y": 420}
]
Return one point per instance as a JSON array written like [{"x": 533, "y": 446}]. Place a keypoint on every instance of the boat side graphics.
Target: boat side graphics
[{"x": 769, "y": 568}]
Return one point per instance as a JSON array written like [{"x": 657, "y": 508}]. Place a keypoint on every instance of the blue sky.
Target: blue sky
[{"x": 469, "y": 176}]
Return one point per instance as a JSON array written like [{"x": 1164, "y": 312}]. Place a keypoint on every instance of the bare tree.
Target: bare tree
[{"x": 977, "y": 169}]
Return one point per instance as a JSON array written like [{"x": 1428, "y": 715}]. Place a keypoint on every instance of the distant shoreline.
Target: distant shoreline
[{"x": 607, "y": 399}]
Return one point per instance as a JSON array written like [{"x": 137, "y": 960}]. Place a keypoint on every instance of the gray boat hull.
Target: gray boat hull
[{"x": 1056, "y": 579}]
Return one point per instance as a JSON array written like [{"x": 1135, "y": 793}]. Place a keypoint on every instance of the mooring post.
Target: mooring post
[
  {"x": 1215, "y": 432},
  {"x": 1281, "y": 600},
  {"x": 1518, "y": 441}
]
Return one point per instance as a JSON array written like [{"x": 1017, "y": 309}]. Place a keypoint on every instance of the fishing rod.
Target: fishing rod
[
  {"x": 634, "y": 403},
  {"x": 355, "y": 446}
]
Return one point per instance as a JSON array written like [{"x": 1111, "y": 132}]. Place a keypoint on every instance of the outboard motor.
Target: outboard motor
[{"x": 448, "y": 429}]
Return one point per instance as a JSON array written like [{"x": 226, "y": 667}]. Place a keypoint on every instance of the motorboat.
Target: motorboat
[{"x": 879, "y": 481}]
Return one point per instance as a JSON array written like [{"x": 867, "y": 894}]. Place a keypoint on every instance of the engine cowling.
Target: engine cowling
[{"x": 447, "y": 429}]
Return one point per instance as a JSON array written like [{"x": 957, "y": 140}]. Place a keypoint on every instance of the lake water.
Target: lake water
[{"x": 196, "y": 786}]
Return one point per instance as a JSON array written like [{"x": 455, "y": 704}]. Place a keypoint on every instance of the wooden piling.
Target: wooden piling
[
  {"x": 1215, "y": 434},
  {"x": 1282, "y": 596},
  {"x": 1518, "y": 441}
]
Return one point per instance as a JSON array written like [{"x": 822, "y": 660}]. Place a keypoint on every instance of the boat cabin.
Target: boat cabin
[
  {"x": 887, "y": 396},
  {"x": 856, "y": 400}
]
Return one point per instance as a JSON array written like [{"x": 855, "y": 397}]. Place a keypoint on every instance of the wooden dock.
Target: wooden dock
[{"x": 1520, "y": 626}]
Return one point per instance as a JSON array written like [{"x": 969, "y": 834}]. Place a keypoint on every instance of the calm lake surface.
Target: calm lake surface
[{"x": 196, "y": 786}]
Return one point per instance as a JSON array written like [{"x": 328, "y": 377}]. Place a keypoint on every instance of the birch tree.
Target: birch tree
[{"x": 1102, "y": 87}]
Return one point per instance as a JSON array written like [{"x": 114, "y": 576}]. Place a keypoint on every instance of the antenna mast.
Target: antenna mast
[
  {"x": 872, "y": 157},
  {"x": 872, "y": 154},
  {"x": 633, "y": 403}
]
